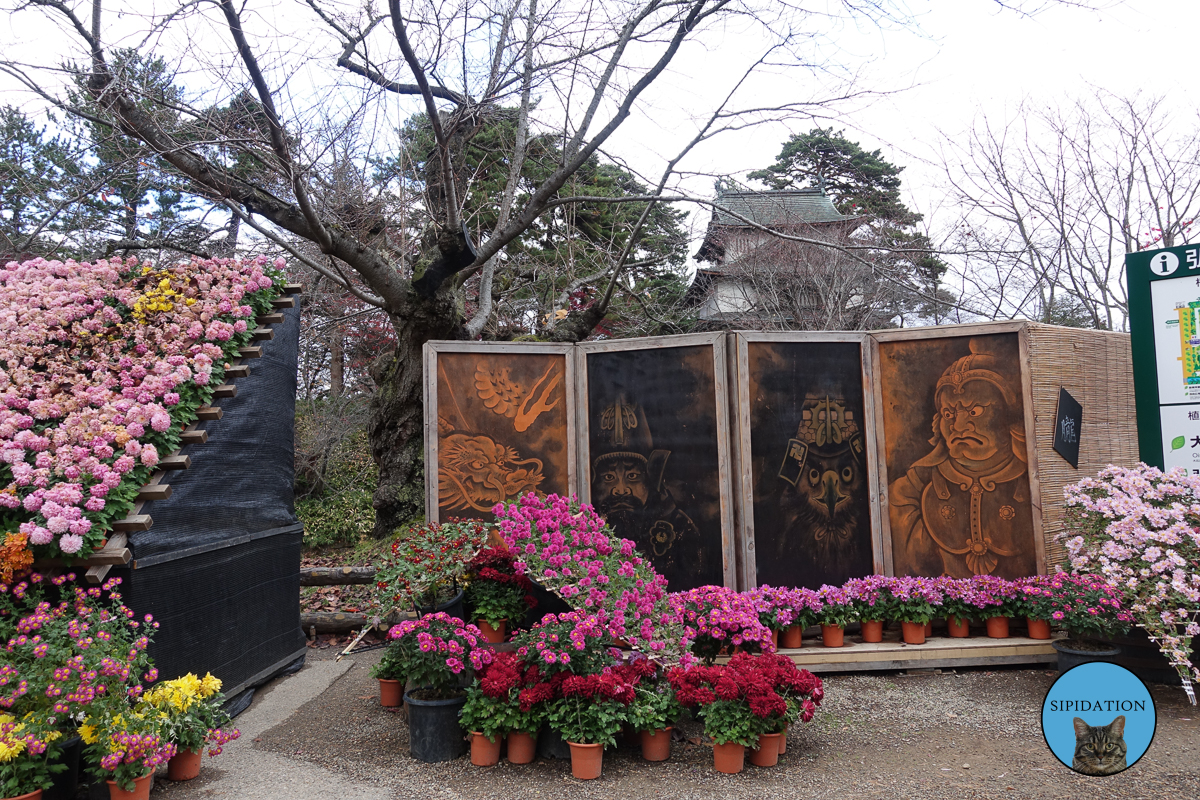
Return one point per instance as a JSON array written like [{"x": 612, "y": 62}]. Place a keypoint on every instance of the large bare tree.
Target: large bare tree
[
  {"x": 1053, "y": 198},
  {"x": 574, "y": 70}
]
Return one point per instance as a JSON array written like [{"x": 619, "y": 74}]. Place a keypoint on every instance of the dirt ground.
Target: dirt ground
[{"x": 957, "y": 735}]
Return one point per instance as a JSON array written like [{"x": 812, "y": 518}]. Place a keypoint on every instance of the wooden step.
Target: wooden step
[
  {"x": 193, "y": 437},
  {"x": 134, "y": 522},
  {"x": 238, "y": 371},
  {"x": 284, "y": 302},
  {"x": 154, "y": 491},
  {"x": 261, "y": 334},
  {"x": 177, "y": 461},
  {"x": 251, "y": 352},
  {"x": 293, "y": 288},
  {"x": 225, "y": 390},
  {"x": 270, "y": 319},
  {"x": 209, "y": 412}
]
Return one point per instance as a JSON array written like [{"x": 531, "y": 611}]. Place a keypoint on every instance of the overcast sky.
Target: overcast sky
[{"x": 964, "y": 58}]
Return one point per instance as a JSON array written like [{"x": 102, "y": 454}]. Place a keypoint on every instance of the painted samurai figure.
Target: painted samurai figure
[{"x": 964, "y": 509}]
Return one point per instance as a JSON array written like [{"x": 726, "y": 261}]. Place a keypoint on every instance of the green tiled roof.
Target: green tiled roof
[{"x": 786, "y": 207}]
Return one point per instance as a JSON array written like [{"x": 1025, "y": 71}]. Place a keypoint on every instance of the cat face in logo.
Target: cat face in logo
[{"x": 1099, "y": 749}]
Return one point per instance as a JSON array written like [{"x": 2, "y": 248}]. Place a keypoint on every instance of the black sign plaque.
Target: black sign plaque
[{"x": 1067, "y": 423}]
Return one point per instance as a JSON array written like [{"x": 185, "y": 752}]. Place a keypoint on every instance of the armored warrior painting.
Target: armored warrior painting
[{"x": 963, "y": 508}]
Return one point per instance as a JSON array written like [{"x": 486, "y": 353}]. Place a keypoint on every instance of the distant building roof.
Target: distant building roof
[{"x": 784, "y": 207}]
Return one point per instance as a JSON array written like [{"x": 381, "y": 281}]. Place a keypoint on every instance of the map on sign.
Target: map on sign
[
  {"x": 1189, "y": 341},
  {"x": 1176, "y": 310}
]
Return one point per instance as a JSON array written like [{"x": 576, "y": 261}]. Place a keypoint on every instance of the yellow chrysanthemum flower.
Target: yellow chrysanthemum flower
[
  {"x": 210, "y": 685},
  {"x": 88, "y": 734}
]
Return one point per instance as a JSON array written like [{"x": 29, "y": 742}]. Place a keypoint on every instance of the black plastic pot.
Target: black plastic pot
[
  {"x": 433, "y": 730},
  {"x": 66, "y": 783},
  {"x": 550, "y": 744},
  {"x": 453, "y": 607},
  {"x": 1069, "y": 657}
]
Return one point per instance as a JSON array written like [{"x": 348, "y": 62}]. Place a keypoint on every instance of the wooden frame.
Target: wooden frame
[
  {"x": 739, "y": 343},
  {"x": 1021, "y": 329},
  {"x": 431, "y": 353},
  {"x": 715, "y": 341}
]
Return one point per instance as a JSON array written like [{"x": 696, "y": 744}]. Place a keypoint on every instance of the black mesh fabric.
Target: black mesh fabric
[
  {"x": 240, "y": 480},
  {"x": 233, "y": 611},
  {"x": 220, "y": 567}
]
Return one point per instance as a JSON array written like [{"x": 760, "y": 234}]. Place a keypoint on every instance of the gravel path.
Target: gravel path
[{"x": 973, "y": 734}]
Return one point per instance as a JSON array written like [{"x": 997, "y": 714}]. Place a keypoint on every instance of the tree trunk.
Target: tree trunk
[
  {"x": 397, "y": 425},
  {"x": 337, "y": 364}
]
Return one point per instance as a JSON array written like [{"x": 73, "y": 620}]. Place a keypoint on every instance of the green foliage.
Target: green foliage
[
  {"x": 727, "y": 721},
  {"x": 835, "y": 614},
  {"x": 335, "y": 474},
  {"x": 563, "y": 248},
  {"x": 490, "y": 716},
  {"x": 391, "y": 666},
  {"x": 858, "y": 181},
  {"x": 654, "y": 706},
  {"x": 424, "y": 559},
  {"x": 493, "y": 602},
  {"x": 338, "y": 519},
  {"x": 864, "y": 183},
  {"x": 585, "y": 720}
]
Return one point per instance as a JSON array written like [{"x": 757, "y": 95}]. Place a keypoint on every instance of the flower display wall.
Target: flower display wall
[
  {"x": 1140, "y": 529},
  {"x": 567, "y": 548},
  {"x": 101, "y": 365}
]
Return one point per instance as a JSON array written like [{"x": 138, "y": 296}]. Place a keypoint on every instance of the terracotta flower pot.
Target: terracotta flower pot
[
  {"x": 729, "y": 758},
  {"x": 184, "y": 765},
  {"x": 833, "y": 635},
  {"x": 1038, "y": 628},
  {"x": 586, "y": 760},
  {"x": 792, "y": 637},
  {"x": 929, "y": 628},
  {"x": 872, "y": 630},
  {"x": 997, "y": 627},
  {"x": 36, "y": 794},
  {"x": 767, "y": 752},
  {"x": 958, "y": 628},
  {"x": 775, "y": 640},
  {"x": 522, "y": 747},
  {"x": 391, "y": 693},
  {"x": 656, "y": 745},
  {"x": 493, "y": 635},
  {"x": 485, "y": 752},
  {"x": 141, "y": 789},
  {"x": 913, "y": 632}
]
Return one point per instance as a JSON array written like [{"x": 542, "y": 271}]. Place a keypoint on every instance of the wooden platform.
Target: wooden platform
[{"x": 937, "y": 652}]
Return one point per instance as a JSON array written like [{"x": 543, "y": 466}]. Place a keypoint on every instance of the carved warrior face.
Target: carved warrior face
[
  {"x": 973, "y": 421},
  {"x": 620, "y": 484}
]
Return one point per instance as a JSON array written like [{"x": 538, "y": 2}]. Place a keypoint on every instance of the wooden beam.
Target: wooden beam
[
  {"x": 251, "y": 352},
  {"x": 270, "y": 319},
  {"x": 238, "y": 371},
  {"x": 134, "y": 522},
  {"x": 96, "y": 575},
  {"x": 154, "y": 491},
  {"x": 336, "y": 576},
  {"x": 293, "y": 288},
  {"x": 209, "y": 412},
  {"x": 261, "y": 334},
  {"x": 284, "y": 302},
  {"x": 193, "y": 437},
  {"x": 225, "y": 390},
  {"x": 113, "y": 553},
  {"x": 177, "y": 461},
  {"x": 333, "y": 621}
]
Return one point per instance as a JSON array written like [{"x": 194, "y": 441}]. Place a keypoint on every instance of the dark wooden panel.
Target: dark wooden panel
[
  {"x": 502, "y": 428},
  {"x": 959, "y": 495},
  {"x": 808, "y": 459},
  {"x": 654, "y": 458}
]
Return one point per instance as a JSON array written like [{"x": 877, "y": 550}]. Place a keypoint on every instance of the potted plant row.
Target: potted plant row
[{"x": 57, "y": 684}]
